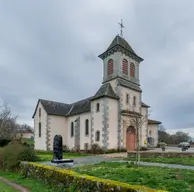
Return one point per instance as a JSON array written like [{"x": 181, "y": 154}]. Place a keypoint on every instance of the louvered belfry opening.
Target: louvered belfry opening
[
  {"x": 110, "y": 67},
  {"x": 125, "y": 66},
  {"x": 132, "y": 70}
]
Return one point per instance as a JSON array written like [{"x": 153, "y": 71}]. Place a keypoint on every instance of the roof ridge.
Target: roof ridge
[{"x": 54, "y": 101}]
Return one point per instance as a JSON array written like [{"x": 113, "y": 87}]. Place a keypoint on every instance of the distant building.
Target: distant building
[
  {"x": 104, "y": 118},
  {"x": 25, "y": 134}
]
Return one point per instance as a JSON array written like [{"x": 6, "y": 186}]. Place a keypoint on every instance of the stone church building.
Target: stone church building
[{"x": 110, "y": 117}]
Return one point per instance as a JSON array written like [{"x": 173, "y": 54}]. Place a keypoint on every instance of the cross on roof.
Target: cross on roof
[{"x": 122, "y": 26}]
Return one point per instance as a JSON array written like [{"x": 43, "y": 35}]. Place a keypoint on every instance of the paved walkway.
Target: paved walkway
[{"x": 14, "y": 185}]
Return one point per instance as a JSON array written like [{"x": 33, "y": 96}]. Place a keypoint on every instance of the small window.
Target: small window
[
  {"x": 72, "y": 129},
  {"x": 97, "y": 135},
  {"x": 125, "y": 66},
  {"x": 132, "y": 70},
  {"x": 39, "y": 132},
  {"x": 127, "y": 98},
  {"x": 87, "y": 127},
  {"x": 134, "y": 101},
  {"x": 39, "y": 112},
  {"x": 110, "y": 67},
  {"x": 97, "y": 107}
]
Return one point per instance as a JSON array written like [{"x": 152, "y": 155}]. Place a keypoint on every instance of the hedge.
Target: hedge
[{"x": 66, "y": 177}]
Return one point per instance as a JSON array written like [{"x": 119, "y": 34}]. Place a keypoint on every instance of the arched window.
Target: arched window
[
  {"x": 97, "y": 135},
  {"x": 110, "y": 67},
  {"x": 97, "y": 107},
  {"x": 125, "y": 66},
  {"x": 72, "y": 129},
  {"x": 87, "y": 127},
  {"x": 132, "y": 70}
]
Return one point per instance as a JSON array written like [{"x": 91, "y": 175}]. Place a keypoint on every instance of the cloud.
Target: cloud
[{"x": 49, "y": 50}]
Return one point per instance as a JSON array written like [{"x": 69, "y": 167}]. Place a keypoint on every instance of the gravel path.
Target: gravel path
[{"x": 14, "y": 185}]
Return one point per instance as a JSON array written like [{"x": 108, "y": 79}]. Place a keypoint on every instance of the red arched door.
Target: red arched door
[{"x": 131, "y": 139}]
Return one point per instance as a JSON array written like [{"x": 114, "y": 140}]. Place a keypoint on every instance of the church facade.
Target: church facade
[{"x": 114, "y": 118}]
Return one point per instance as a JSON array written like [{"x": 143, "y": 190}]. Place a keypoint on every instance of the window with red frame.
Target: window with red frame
[
  {"x": 125, "y": 66},
  {"x": 110, "y": 67},
  {"x": 132, "y": 70}
]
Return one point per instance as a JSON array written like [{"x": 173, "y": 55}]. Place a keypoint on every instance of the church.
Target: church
[{"x": 114, "y": 118}]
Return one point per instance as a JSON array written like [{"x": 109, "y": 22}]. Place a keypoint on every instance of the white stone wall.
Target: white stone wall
[
  {"x": 40, "y": 143},
  {"x": 97, "y": 118},
  {"x": 131, "y": 93},
  {"x": 154, "y": 132},
  {"x": 144, "y": 128},
  {"x": 70, "y": 139},
  {"x": 83, "y": 138},
  {"x": 57, "y": 125},
  {"x": 113, "y": 124}
]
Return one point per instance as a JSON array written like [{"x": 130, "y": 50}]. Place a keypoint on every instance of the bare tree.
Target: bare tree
[
  {"x": 7, "y": 122},
  {"x": 136, "y": 120}
]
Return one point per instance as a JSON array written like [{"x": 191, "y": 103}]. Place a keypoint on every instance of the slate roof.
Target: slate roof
[
  {"x": 55, "y": 108},
  {"x": 119, "y": 41},
  {"x": 80, "y": 107},
  {"x": 105, "y": 90},
  {"x": 150, "y": 121},
  {"x": 130, "y": 85},
  {"x": 144, "y": 105}
]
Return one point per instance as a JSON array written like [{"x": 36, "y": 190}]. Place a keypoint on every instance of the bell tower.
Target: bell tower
[{"x": 120, "y": 60}]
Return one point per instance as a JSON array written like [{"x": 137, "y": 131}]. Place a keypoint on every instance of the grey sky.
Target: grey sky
[{"x": 49, "y": 49}]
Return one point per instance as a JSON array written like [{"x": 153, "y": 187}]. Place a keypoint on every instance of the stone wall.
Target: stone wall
[{"x": 161, "y": 154}]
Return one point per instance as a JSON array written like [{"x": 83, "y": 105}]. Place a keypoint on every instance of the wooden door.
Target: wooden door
[{"x": 131, "y": 139}]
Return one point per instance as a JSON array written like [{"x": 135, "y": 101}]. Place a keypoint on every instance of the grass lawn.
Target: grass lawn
[
  {"x": 28, "y": 141},
  {"x": 6, "y": 188},
  {"x": 48, "y": 156},
  {"x": 169, "y": 160},
  {"x": 31, "y": 184},
  {"x": 175, "y": 180}
]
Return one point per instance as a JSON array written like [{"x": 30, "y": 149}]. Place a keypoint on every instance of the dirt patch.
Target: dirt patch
[{"x": 14, "y": 185}]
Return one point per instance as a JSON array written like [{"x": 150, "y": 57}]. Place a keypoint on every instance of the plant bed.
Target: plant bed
[
  {"x": 175, "y": 180},
  {"x": 82, "y": 182}
]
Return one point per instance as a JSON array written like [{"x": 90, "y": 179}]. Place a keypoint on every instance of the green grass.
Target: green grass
[
  {"x": 28, "y": 141},
  {"x": 48, "y": 156},
  {"x": 168, "y": 160},
  {"x": 32, "y": 184},
  {"x": 4, "y": 187},
  {"x": 175, "y": 180}
]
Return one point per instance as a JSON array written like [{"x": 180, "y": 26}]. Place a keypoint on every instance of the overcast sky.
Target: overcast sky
[{"x": 49, "y": 49}]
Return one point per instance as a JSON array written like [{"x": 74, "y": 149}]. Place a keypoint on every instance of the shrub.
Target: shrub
[
  {"x": 122, "y": 150},
  {"x": 96, "y": 149},
  {"x": 67, "y": 178},
  {"x": 143, "y": 149},
  {"x": 4, "y": 142},
  {"x": 66, "y": 148},
  {"x": 12, "y": 154}
]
